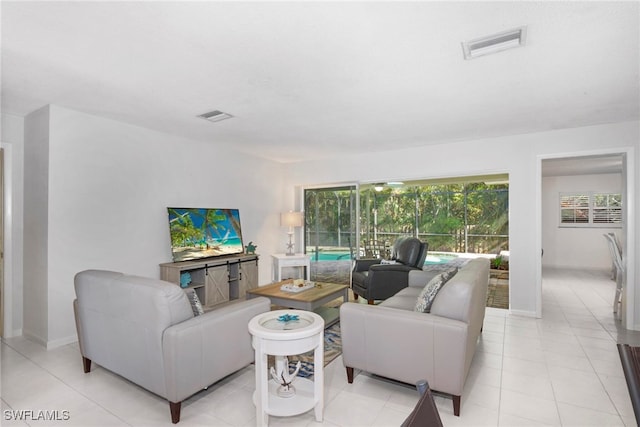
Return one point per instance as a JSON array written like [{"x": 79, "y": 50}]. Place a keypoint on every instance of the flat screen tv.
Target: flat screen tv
[{"x": 204, "y": 233}]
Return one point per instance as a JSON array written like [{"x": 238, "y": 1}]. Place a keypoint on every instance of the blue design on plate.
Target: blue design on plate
[{"x": 288, "y": 317}]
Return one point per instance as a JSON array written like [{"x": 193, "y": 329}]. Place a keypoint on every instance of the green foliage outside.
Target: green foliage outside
[
  {"x": 329, "y": 217},
  {"x": 452, "y": 218}
]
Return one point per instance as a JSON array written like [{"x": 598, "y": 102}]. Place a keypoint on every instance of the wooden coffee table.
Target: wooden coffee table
[{"x": 311, "y": 300}]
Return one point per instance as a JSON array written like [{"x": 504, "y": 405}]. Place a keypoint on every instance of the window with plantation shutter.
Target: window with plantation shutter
[
  {"x": 574, "y": 209},
  {"x": 590, "y": 209},
  {"x": 607, "y": 209}
]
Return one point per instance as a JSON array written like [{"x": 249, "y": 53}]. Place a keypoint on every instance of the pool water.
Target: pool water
[
  {"x": 432, "y": 258},
  {"x": 437, "y": 258},
  {"x": 331, "y": 256}
]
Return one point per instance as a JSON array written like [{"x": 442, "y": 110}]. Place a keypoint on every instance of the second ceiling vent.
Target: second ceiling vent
[
  {"x": 494, "y": 43},
  {"x": 215, "y": 116}
]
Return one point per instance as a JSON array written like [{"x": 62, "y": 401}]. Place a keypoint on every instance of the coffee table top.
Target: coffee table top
[{"x": 321, "y": 290}]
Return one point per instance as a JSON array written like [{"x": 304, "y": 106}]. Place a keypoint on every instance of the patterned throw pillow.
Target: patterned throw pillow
[
  {"x": 428, "y": 294},
  {"x": 196, "y": 306}
]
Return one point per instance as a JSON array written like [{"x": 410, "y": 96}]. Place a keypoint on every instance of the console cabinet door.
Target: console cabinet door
[
  {"x": 248, "y": 276},
  {"x": 217, "y": 284}
]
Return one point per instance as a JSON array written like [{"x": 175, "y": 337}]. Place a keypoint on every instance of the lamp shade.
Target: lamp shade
[{"x": 291, "y": 219}]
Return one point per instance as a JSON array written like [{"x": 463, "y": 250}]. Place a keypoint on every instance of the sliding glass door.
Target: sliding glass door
[
  {"x": 330, "y": 232},
  {"x": 471, "y": 217},
  {"x": 468, "y": 216}
]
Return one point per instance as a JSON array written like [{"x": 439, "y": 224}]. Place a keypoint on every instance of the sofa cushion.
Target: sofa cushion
[
  {"x": 405, "y": 299},
  {"x": 428, "y": 294},
  {"x": 400, "y": 302}
]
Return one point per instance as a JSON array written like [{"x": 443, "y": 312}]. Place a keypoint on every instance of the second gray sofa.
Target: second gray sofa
[{"x": 394, "y": 341}]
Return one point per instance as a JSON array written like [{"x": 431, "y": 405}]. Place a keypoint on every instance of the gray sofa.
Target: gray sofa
[
  {"x": 394, "y": 341},
  {"x": 145, "y": 330}
]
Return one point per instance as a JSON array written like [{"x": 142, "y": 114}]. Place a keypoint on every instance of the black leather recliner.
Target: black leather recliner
[{"x": 375, "y": 281}]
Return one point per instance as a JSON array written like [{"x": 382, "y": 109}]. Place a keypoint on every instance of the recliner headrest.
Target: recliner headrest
[{"x": 410, "y": 251}]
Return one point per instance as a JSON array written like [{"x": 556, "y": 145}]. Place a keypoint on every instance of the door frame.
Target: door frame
[
  {"x": 2, "y": 265},
  {"x": 356, "y": 190},
  {"x": 628, "y": 227}
]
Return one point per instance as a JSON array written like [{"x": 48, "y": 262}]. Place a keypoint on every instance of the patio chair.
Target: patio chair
[{"x": 377, "y": 249}]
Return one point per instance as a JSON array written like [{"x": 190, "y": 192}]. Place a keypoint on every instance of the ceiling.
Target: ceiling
[{"x": 305, "y": 80}]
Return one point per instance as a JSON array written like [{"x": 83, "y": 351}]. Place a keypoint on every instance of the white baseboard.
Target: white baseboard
[
  {"x": 53, "y": 343},
  {"x": 606, "y": 270},
  {"x": 15, "y": 333},
  {"x": 61, "y": 342},
  {"x": 34, "y": 338}
]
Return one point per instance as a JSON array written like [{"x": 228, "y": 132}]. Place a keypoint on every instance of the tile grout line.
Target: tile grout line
[{"x": 591, "y": 363}]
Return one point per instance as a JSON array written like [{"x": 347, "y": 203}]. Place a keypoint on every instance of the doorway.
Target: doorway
[
  {"x": 581, "y": 245},
  {"x": 1, "y": 242}
]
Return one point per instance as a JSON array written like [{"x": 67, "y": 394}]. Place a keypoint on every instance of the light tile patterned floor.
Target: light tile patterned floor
[{"x": 562, "y": 369}]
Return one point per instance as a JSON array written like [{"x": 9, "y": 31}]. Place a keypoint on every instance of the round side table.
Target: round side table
[{"x": 273, "y": 334}]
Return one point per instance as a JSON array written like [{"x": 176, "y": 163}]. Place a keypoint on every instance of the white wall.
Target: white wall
[
  {"x": 575, "y": 247},
  {"x": 36, "y": 199},
  {"x": 516, "y": 155},
  {"x": 12, "y": 138},
  {"x": 109, "y": 185}
]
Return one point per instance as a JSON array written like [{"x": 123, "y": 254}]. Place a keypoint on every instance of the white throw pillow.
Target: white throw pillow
[{"x": 428, "y": 294}]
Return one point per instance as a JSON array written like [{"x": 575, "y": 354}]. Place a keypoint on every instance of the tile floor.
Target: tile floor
[{"x": 562, "y": 369}]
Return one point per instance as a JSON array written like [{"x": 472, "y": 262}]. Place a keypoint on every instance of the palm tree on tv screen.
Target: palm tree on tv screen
[{"x": 183, "y": 231}]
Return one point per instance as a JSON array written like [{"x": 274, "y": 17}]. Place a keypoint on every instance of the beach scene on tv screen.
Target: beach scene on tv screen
[{"x": 203, "y": 233}]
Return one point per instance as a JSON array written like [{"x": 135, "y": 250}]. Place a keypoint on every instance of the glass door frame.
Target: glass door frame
[
  {"x": 338, "y": 271},
  {"x": 345, "y": 185}
]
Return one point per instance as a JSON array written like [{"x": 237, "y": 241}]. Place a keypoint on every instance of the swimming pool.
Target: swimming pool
[
  {"x": 330, "y": 256},
  {"x": 439, "y": 258},
  {"x": 432, "y": 257}
]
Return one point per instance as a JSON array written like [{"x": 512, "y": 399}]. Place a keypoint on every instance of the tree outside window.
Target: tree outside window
[{"x": 590, "y": 209}]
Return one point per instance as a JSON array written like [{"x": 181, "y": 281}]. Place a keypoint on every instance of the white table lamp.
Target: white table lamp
[{"x": 291, "y": 219}]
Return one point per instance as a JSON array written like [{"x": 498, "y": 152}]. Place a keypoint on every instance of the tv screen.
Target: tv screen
[{"x": 204, "y": 233}]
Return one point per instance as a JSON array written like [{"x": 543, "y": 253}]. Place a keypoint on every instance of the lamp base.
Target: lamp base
[{"x": 290, "y": 251}]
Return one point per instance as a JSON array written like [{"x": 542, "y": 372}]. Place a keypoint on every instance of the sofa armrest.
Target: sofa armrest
[
  {"x": 363, "y": 264},
  {"x": 386, "y": 280},
  {"x": 206, "y": 348},
  {"x": 401, "y": 268},
  {"x": 405, "y": 345}
]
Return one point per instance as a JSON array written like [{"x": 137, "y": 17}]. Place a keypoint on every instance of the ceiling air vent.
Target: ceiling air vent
[
  {"x": 215, "y": 116},
  {"x": 494, "y": 43}
]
